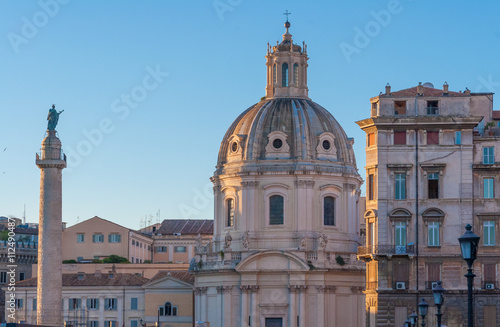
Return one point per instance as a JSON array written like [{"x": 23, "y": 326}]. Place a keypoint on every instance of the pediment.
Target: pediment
[
  {"x": 272, "y": 261},
  {"x": 167, "y": 283}
]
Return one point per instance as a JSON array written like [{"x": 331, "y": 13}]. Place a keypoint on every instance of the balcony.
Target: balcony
[{"x": 386, "y": 250}]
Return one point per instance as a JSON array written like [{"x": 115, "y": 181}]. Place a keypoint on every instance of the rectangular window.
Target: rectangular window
[
  {"x": 80, "y": 238},
  {"x": 433, "y": 185},
  {"x": 21, "y": 276},
  {"x": 433, "y": 274},
  {"x": 371, "y": 139},
  {"x": 114, "y": 238},
  {"x": 370, "y": 187},
  {"x": 374, "y": 109},
  {"x": 230, "y": 212},
  {"x": 34, "y": 304},
  {"x": 433, "y": 107},
  {"x": 74, "y": 304},
  {"x": 489, "y": 233},
  {"x": 110, "y": 323},
  {"x": 488, "y": 188},
  {"x": 93, "y": 304},
  {"x": 400, "y": 107},
  {"x": 19, "y": 303},
  {"x": 433, "y": 231},
  {"x": 161, "y": 249},
  {"x": 489, "y": 276},
  {"x": 371, "y": 234},
  {"x": 432, "y": 137},
  {"x": 276, "y": 210},
  {"x": 400, "y": 183},
  {"x": 180, "y": 249},
  {"x": 329, "y": 211},
  {"x": 110, "y": 304},
  {"x": 458, "y": 138},
  {"x": 3, "y": 277},
  {"x": 488, "y": 155},
  {"x": 94, "y": 323},
  {"x": 133, "y": 303},
  {"x": 133, "y": 323},
  {"x": 399, "y": 137},
  {"x": 400, "y": 237},
  {"x": 98, "y": 238}
]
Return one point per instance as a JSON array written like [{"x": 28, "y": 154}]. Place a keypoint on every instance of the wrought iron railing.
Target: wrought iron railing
[{"x": 386, "y": 249}]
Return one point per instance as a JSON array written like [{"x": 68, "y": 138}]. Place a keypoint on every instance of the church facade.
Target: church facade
[{"x": 286, "y": 231}]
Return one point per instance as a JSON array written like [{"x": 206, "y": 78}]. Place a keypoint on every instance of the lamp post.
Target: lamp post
[
  {"x": 468, "y": 244},
  {"x": 423, "y": 306},
  {"x": 413, "y": 319},
  {"x": 438, "y": 293},
  {"x": 408, "y": 323}
]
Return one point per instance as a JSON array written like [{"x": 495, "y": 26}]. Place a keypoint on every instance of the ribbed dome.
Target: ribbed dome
[{"x": 306, "y": 130}]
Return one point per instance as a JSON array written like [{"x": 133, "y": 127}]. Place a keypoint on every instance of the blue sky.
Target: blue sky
[{"x": 188, "y": 69}]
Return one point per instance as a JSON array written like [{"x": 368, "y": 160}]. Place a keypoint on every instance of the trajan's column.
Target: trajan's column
[{"x": 51, "y": 162}]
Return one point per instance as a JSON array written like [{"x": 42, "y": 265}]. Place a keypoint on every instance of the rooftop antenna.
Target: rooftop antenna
[
  {"x": 24, "y": 215},
  {"x": 158, "y": 215}
]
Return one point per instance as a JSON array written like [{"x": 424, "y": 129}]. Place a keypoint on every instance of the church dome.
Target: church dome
[{"x": 290, "y": 129}]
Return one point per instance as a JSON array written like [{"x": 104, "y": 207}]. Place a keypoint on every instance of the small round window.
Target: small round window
[
  {"x": 326, "y": 145},
  {"x": 277, "y": 143},
  {"x": 234, "y": 146}
]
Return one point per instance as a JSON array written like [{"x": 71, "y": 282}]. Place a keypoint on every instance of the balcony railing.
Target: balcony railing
[{"x": 386, "y": 249}]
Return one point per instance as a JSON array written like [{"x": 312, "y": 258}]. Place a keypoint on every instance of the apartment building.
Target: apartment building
[{"x": 432, "y": 167}]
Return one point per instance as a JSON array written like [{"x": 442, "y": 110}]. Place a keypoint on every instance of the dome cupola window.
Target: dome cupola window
[
  {"x": 277, "y": 146},
  {"x": 234, "y": 147},
  {"x": 296, "y": 74},
  {"x": 284, "y": 75},
  {"x": 326, "y": 148},
  {"x": 277, "y": 143}
]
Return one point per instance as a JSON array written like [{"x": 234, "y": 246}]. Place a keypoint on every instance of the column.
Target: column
[
  {"x": 253, "y": 306},
  {"x": 65, "y": 304},
  {"x": 321, "y": 305},
  {"x": 203, "y": 303},
  {"x": 227, "y": 290},
  {"x": 190, "y": 252},
  {"x": 220, "y": 304},
  {"x": 244, "y": 305},
  {"x": 101, "y": 311},
  {"x": 197, "y": 306},
  {"x": 293, "y": 305},
  {"x": 302, "y": 312},
  {"x": 331, "y": 298}
]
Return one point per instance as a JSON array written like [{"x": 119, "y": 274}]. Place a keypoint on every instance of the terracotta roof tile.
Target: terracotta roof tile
[
  {"x": 186, "y": 226},
  {"x": 185, "y": 276},
  {"x": 93, "y": 280},
  {"x": 428, "y": 92}
]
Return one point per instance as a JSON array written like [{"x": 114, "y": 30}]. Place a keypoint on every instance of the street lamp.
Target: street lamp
[
  {"x": 413, "y": 318},
  {"x": 408, "y": 323},
  {"x": 468, "y": 244},
  {"x": 423, "y": 307},
  {"x": 438, "y": 293}
]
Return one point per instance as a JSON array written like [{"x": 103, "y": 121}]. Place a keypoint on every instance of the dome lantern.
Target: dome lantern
[{"x": 286, "y": 68}]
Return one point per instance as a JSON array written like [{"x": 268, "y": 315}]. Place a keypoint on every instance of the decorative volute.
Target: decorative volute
[{"x": 286, "y": 68}]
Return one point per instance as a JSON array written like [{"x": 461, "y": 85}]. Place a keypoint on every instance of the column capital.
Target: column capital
[
  {"x": 249, "y": 184},
  {"x": 321, "y": 288},
  {"x": 357, "y": 289},
  {"x": 331, "y": 289},
  {"x": 200, "y": 290}
]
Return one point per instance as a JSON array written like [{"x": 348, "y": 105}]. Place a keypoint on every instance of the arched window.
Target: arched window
[
  {"x": 276, "y": 210},
  {"x": 275, "y": 74},
  {"x": 167, "y": 310},
  {"x": 284, "y": 74},
  {"x": 230, "y": 212},
  {"x": 329, "y": 211},
  {"x": 296, "y": 74}
]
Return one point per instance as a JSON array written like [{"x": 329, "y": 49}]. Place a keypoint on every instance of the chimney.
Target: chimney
[
  {"x": 420, "y": 89},
  {"x": 387, "y": 89},
  {"x": 467, "y": 91},
  {"x": 63, "y": 225},
  {"x": 445, "y": 88}
]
